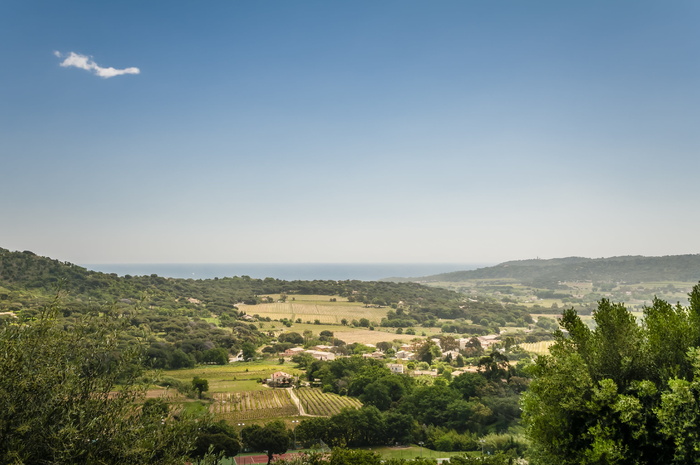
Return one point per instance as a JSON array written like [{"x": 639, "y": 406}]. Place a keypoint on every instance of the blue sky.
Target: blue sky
[{"x": 363, "y": 131}]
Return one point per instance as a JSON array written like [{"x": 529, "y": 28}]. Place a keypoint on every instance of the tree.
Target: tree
[
  {"x": 73, "y": 397},
  {"x": 200, "y": 385},
  {"x": 248, "y": 350},
  {"x": 292, "y": 336},
  {"x": 354, "y": 457},
  {"x": 621, "y": 393},
  {"x": 218, "y": 356},
  {"x": 219, "y": 439},
  {"x": 273, "y": 438},
  {"x": 428, "y": 351}
]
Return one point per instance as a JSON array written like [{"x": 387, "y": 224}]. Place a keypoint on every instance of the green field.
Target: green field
[
  {"x": 539, "y": 348},
  {"x": 234, "y": 377},
  {"x": 412, "y": 452},
  {"x": 235, "y": 393},
  {"x": 316, "y": 402},
  {"x": 264, "y": 404}
]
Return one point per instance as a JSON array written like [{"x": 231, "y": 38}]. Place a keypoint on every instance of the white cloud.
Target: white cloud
[{"x": 86, "y": 63}]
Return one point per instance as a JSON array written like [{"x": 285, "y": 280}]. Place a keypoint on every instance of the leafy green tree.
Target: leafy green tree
[
  {"x": 354, "y": 457},
  {"x": 310, "y": 430},
  {"x": 273, "y": 438},
  {"x": 180, "y": 359},
  {"x": 249, "y": 351},
  {"x": 73, "y": 397},
  {"x": 217, "y": 355},
  {"x": 218, "y": 439},
  {"x": 621, "y": 393},
  {"x": 428, "y": 351},
  {"x": 200, "y": 385}
]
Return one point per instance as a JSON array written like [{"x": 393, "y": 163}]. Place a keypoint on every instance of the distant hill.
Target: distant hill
[
  {"x": 28, "y": 281},
  {"x": 631, "y": 269},
  {"x": 26, "y": 271}
]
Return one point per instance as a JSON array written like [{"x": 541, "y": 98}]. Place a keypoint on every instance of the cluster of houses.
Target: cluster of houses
[
  {"x": 320, "y": 352},
  {"x": 407, "y": 352}
]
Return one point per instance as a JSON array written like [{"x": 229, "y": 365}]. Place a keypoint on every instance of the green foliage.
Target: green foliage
[
  {"x": 72, "y": 397},
  {"x": 354, "y": 457},
  {"x": 622, "y": 393},
  {"x": 200, "y": 385},
  {"x": 217, "y": 438},
  {"x": 273, "y": 438},
  {"x": 629, "y": 269},
  {"x": 496, "y": 459}
]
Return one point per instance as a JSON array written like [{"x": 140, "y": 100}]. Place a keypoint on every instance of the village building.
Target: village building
[
  {"x": 292, "y": 352},
  {"x": 432, "y": 373},
  {"x": 488, "y": 341},
  {"x": 320, "y": 355},
  {"x": 280, "y": 379},
  {"x": 396, "y": 368},
  {"x": 452, "y": 353},
  {"x": 236, "y": 358},
  {"x": 322, "y": 348}
]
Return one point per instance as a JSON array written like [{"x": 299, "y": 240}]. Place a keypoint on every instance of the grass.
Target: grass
[
  {"x": 196, "y": 408},
  {"x": 234, "y": 377},
  {"x": 415, "y": 451}
]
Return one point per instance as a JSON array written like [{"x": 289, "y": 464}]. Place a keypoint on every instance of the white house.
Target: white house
[
  {"x": 319, "y": 355},
  {"x": 396, "y": 368},
  {"x": 280, "y": 378}
]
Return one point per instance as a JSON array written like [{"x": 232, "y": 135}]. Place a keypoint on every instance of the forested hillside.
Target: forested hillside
[
  {"x": 29, "y": 279},
  {"x": 630, "y": 269}
]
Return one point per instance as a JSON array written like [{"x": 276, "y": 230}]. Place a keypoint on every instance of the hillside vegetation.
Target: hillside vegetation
[
  {"x": 28, "y": 281},
  {"x": 546, "y": 286},
  {"x": 630, "y": 269}
]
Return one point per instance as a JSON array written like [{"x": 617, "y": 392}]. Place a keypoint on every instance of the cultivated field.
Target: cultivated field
[
  {"x": 316, "y": 402},
  {"x": 234, "y": 377},
  {"x": 539, "y": 348},
  {"x": 277, "y": 403},
  {"x": 311, "y": 307},
  {"x": 253, "y": 405}
]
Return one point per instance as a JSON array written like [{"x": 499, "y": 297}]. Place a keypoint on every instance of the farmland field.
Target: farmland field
[
  {"x": 539, "y": 348},
  {"x": 311, "y": 308},
  {"x": 316, "y": 402},
  {"x": 234, "y": 377},
  {"x": 253, "y": 405}
]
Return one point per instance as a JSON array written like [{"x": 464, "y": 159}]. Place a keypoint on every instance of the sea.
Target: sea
[{"x": 285, "y": 271}]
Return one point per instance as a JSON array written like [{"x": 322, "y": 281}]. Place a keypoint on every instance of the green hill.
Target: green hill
[
  {"x": 629, "y": 269},
  {"x": 28, "y": 281}
]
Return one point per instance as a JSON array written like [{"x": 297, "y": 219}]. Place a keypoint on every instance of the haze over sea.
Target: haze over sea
[{"x": 285, "y": 271}]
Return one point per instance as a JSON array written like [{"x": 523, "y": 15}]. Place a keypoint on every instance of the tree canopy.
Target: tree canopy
[
  {"x": 624, "y": 392},
  {"x": 70, "y": 396}
]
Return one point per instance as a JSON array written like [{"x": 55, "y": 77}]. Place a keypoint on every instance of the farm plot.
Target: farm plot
[
  {"x": 539, "y": 348},
  {"x": 316, "y": 402},
  {"x": 328, "y": 312},
  {"x": 253, "y": 405}
]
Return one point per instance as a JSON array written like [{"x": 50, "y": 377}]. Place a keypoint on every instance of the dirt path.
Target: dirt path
[{"x": 297, "y": 402}]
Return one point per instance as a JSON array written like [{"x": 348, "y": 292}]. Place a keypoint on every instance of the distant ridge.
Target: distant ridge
[{"x": 630, "y": 269}]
